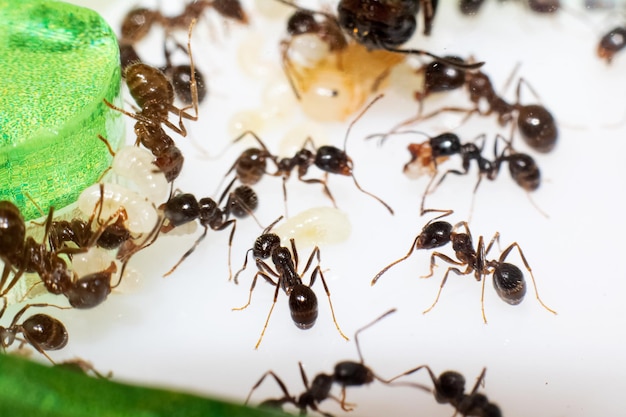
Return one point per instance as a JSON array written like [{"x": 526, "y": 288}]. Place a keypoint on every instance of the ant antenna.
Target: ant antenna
[{"x": 356, "y": 335}]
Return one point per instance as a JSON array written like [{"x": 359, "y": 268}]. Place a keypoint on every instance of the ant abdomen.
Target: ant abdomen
[
  {"x": 349, "y": 373},
  {"x": 524, "y": 171},
  {"x": 12, "y": 229},
  {"x": 45, "y": 332},
  {"x": 303, "y": 306},
  {"x": 537, "y": 127},
  {"x": 333, "y": 160},
  {"x": 508, "y": 280},
  {"x": 242, "y": 202},
  {"x": 251, "y": 165},
  {"x": 91, "y": 290},
  {"x": 148, "y": 84}
]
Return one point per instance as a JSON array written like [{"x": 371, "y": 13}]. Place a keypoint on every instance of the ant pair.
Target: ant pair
[
  {"x": 508, "y": 279},
  {"x": 251, "y": 165},
  {"x": 22, "y": 254},
  {"x": 345, "y": 374},
  {"x": 303, "y": 303}
]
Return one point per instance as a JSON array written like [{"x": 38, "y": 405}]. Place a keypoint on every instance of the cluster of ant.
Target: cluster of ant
[{"x": 124, "y": 219}]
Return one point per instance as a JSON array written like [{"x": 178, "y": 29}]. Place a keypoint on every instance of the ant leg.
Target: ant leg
[
  {"x": 268, "y": 315},
  {"x": 317, "y": 270},
  {"x": 315, "y": 251},
  {"x": 426, "y": 191},
  {"x": 278, "y": 381},
  {"x": 189, "y": 252},
  {"x": 433, "y": 264},
  {"x": 245, "y": 264},
  {"x": 409, "y": 372},
  {"x": 532, "y": 277},
  {"x": 367, "y": 326},
  {"x": 324, "y": 184},
  {"x": 265, "y": 276},
  {"x": 443, "y": 282},
  {"x": 382, "y": 271},
  {"x": 232, "y": 222}
]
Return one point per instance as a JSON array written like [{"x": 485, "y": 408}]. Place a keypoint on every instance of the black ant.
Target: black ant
[
  {"x": 611, "y": 43},
  {"x": 508, "y": 279},
  {"x": 41, "y": 331},
  {"x": 381, "y": 26},
  {"x": 302, "y": 299},
  {"x": 450, "y": 389},
  {"x": 345, "y": 374},
  {"x": 535, "y": 123},
  {"x": 252, "y": 163},
  {"x": 184, "y": 208}
]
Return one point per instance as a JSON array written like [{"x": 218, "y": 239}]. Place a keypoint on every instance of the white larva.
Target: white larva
[
  {"x": 142, "y": 213},
  {"x": 318, "y": 226}
]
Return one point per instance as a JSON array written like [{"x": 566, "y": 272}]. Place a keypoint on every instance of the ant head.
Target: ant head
[
  {"x": 265, "y": 245},
  {"x": 301, "y": 22},
  {"x": 434, "y": 235},
  {"x": 450, "y": 387}
]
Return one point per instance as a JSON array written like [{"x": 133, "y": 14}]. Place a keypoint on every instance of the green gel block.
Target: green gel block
[{"x": 57, "y": 64}]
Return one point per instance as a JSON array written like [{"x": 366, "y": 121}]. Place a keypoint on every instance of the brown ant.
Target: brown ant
[
  {"x": 184, "y": 208},
  {"x": 345, "y": 374},
  {"x": 154, "y": 94},
  {"x": 508, "y": 279},
  {"x": 302, "y": 299},
  {"x": 611, "y": 43},
  {"x": 138, "y": 21},
  {"x": 41, "y": 331}
]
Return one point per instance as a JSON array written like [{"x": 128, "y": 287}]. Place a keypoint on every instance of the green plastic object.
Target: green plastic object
[
  {"x": 57, "y": 64},
  {"x": 28, "y": 389}
]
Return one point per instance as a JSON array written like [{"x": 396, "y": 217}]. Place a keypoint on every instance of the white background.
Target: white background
[{"x": 180, "y": 331}]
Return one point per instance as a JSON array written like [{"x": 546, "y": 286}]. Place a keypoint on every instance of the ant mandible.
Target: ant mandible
[
  {"x": 508, "y": 279},
  {"x": 345, "y": 374},
  {"x": 302, "y": 299}
]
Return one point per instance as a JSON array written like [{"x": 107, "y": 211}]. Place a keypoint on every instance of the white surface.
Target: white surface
[{"x": 180, "y": 331}]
